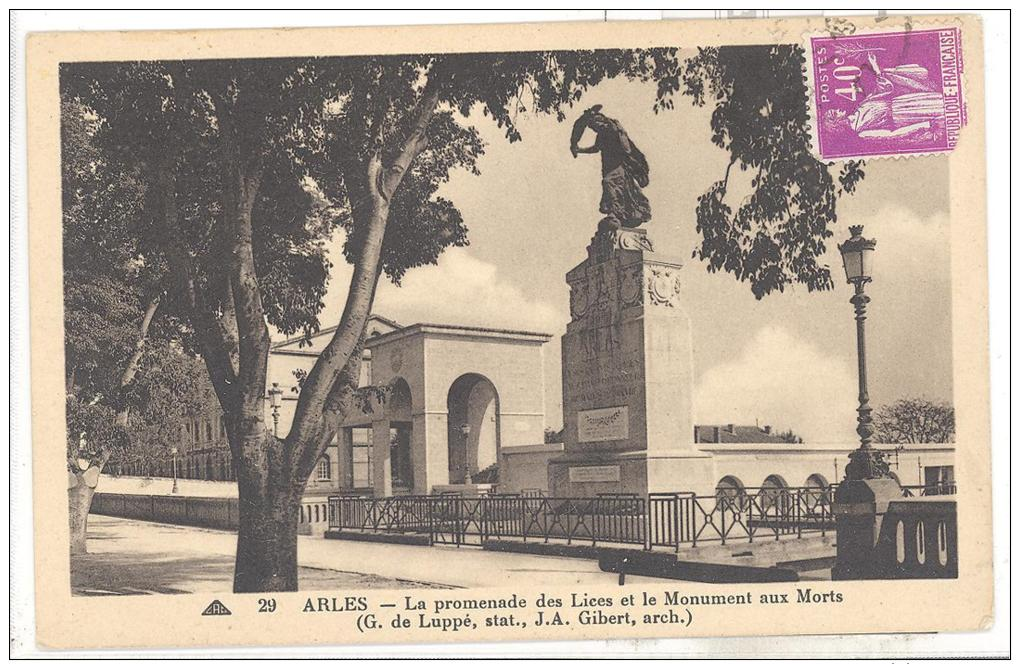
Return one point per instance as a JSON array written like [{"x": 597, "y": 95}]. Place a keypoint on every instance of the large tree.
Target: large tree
[{"x": 249, "y": 166}]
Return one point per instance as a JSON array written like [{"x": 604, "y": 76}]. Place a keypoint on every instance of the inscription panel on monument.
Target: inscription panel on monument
[
  {"x": 594, "y": 474},
  {"x": 602, "y": 424},
  {"x": 598, "y": 379}
]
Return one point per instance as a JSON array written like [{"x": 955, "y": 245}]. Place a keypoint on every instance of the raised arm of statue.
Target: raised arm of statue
[{"x": 575, "y": 136}]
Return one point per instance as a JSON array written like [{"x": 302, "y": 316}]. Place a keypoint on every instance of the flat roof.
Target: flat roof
[{"x": 458, "y": 331}]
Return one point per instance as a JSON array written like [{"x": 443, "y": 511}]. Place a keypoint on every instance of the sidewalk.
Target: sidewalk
[
  {"x": 139, "y": 557},
  {"x": 129, "y": 557}
]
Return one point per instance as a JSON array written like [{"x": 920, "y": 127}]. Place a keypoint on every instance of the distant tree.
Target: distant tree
[
  {"x": 553, "y": 436},
  {"x": 789, "y": 436},
  {"x": 915, "y": 421}
]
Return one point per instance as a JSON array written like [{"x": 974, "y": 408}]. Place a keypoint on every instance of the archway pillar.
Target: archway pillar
[
  {"x": 382, "y": 477},
  {"x": 429, "y": 452}
]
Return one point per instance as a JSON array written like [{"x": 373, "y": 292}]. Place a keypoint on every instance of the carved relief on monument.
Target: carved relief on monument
[
  {"x": 663, "y": 287},
  {"x": 579, "y": 300},
  {"x": 633, "y": 241},
  {"x": 631, "y": 279}
]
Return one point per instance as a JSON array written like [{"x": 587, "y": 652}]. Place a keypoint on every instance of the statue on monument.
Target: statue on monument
[{"x": 624, "y": 170}]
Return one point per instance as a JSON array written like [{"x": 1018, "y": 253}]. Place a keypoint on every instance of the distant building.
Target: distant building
[{"x": 741, "y": 434}]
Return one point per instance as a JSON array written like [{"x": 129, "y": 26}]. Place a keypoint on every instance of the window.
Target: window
[
  {"x": 361, "y": 457},
  {"x": 938, "y": 480},
  {"x": 323, "y": 472}
]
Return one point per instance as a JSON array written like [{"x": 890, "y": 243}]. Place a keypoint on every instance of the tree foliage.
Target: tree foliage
[
  {"x": 776, "y": 234},
  {"x": 107, "y": 285},
  {"x": 915, "y": 421}
]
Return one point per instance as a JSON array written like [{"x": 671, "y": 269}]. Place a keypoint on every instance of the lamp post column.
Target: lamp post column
[
  {"x": 865, "y": 461},
  {"x": 173, "y": 451}
]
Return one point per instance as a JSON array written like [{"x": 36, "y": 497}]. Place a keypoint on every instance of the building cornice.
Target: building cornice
[{"x": 440, "y": 330}]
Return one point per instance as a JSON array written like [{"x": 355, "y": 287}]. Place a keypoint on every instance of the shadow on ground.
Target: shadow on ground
[
  {"x": 126, "y": 573},
  {"x": 117, "y": 566}
]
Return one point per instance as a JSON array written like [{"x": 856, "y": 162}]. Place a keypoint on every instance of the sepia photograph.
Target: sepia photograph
[{"x": 672, "y": 313}]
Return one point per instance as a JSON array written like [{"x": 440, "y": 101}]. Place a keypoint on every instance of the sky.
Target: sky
[{"x": 788, "y": 360}]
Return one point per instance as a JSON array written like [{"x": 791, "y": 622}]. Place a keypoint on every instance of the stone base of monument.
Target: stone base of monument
[
  {"x": 627, "y": 375},
  {"x": 587, "y": 475}
]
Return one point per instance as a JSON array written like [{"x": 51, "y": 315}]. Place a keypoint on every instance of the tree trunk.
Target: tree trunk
[
  {"x": 266, "y": 537},
  {"x": 79, "y": 498}
]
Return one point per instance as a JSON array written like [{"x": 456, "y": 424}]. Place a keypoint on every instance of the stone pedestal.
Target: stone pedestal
[
  {"x": 859, "y": 508},
  {"x": 627, "y": 374}
]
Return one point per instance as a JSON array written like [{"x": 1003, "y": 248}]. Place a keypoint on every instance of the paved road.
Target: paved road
[{"x": 131, "y": 557}]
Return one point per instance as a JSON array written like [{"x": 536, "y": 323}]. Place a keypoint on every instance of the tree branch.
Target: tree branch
[
  {"x": 382, "y": 182},
  {"x": 132, "y": 366},
  {"x": 241, "y": 186}
]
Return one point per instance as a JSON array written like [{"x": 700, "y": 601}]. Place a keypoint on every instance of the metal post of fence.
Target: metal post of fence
[
  {"x": 648, "y": 523},
  {"x": 483, "y": 512},
  {"x": 457, "y": 522},
  {"x": 432, "y": 530},
  {"x": 797, "y": 515},
  {"x": 545, "y": 519},
  {"x": 676, "y": 523}
]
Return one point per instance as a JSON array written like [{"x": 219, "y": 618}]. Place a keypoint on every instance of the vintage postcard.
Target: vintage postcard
[{"x": 509, "y": 332}]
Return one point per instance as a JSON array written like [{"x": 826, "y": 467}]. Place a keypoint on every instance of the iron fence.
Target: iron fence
[
  {"x": 660, "y": 520},
  {"x": 938, "y": 489}
]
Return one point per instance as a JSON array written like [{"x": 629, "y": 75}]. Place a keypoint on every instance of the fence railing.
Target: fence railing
[
  {"x": 660, "y": 520},
  {"x": 938, "y": 489}
]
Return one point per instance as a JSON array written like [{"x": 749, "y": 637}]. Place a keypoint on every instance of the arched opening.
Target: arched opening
[
  {"x": 473, "y": 430},
  {"x": 817, "y": 481},
  {"x": 399, "y": 411},
  {"x": 730, "y": 493},
  {"x": 774, "y": 494},
  {"x": 816, "y": 494}
]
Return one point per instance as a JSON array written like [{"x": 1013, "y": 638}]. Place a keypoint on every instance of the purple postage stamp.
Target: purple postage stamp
[{"x": 886, "y": 93}]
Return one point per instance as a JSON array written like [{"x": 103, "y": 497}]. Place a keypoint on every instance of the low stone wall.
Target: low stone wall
[
  {"x": 525, "y": 467},
  {"x": 219, "y": 513}
]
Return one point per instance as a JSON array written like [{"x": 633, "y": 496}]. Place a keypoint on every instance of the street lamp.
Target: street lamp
[
  {"x": 173, "y": 452},
  {"x": 274, "y": 402},
  {"x": 865, "y": 462},
  {"x": 465, "y": 431},
  {"x": 83, "y": 460}
]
